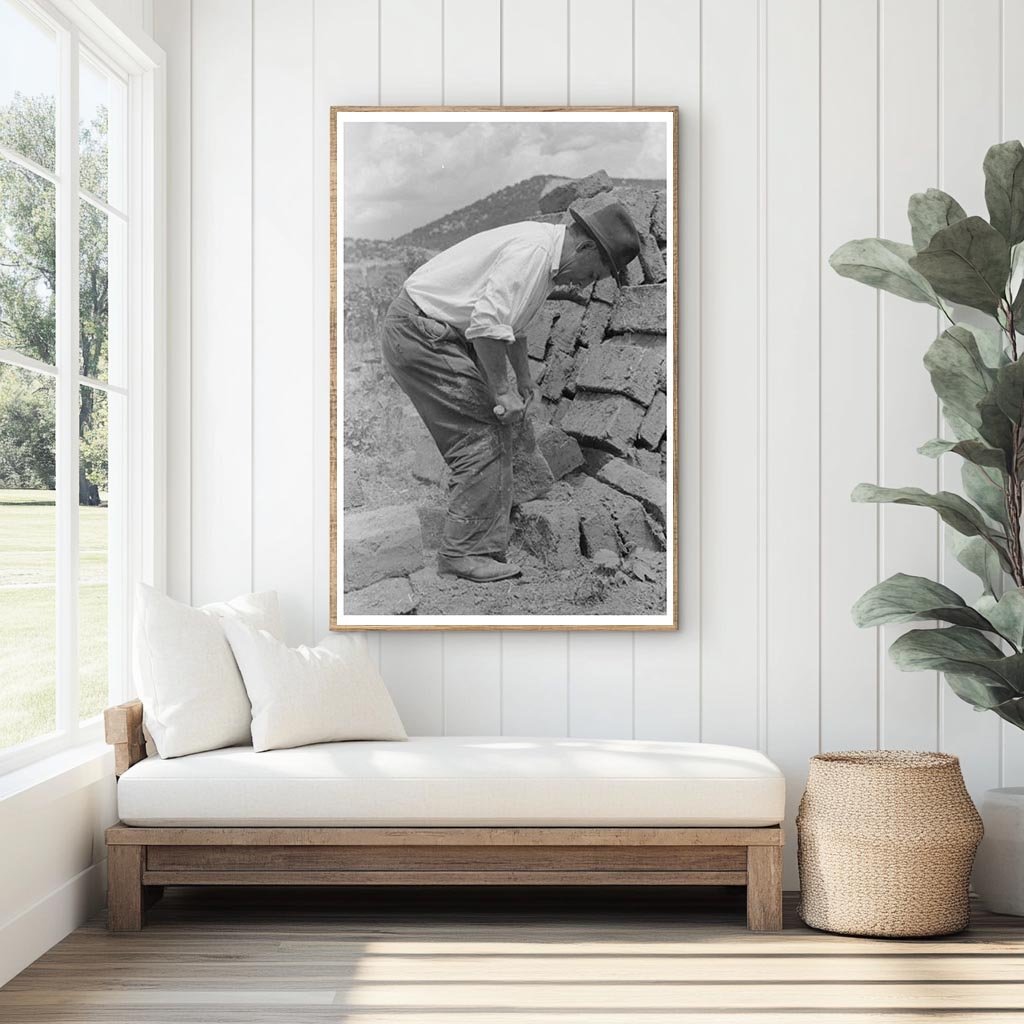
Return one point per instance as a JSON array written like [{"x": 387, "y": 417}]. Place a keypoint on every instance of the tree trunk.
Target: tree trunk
[{"x": 88, "y": 492}]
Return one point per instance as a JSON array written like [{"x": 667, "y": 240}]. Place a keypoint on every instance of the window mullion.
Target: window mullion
[{"x": 67, "y": 386}]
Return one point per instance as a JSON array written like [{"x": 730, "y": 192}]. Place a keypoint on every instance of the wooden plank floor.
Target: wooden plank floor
[{"x": 219, "y": 956}]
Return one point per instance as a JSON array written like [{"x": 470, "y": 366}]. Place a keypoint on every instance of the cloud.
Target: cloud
[{"x": 399, "y": 175}]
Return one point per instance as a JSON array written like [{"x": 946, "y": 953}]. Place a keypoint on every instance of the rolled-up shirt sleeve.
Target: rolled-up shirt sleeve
[{"x": 508, "y": 291}]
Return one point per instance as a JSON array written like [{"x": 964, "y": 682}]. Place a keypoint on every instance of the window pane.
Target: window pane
[
  {"x": 28, "y": 85},
  {"x": 101, "y": 103},
  {"x": 93, "y": 551},
  {"x": 28, "y": 545},
  {"x": 101, "y": 280},
  {"x": 28, "y": 263}
]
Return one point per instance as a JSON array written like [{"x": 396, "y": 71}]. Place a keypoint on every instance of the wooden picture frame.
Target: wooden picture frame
[{"x": 603, "y": 599}]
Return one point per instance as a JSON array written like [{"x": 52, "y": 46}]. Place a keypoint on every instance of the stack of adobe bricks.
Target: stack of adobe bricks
[{"x": 600, "y": 360}]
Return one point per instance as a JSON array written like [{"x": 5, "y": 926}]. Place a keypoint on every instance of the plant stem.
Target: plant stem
[
  {"x": 1012, "y": 496},
  {"x": 1013, "y": 510}
]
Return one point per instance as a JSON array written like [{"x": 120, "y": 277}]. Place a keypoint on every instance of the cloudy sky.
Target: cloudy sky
[
  {"x": 399, "y": 176},
  {"x": 29, "y": 63}
]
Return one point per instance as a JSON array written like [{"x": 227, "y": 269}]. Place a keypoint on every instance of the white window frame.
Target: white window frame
[{"x": 140, "y": 63}]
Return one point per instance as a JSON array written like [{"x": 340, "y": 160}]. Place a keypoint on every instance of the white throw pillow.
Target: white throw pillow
[
  {"x": 192, "y": 693},
  {"x": 309, "y": 694}
]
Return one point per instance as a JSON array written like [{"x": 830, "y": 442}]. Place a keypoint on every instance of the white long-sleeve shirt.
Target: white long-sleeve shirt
[{"x": 492, "y": 284}]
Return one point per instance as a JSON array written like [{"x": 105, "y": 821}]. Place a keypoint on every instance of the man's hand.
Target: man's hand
[
  {"x": 528, "y": 392},
  {"x": 509, "y": 406}
]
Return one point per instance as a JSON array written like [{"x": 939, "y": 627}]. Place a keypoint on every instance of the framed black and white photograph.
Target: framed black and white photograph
[{"x": 504, "y": 394}]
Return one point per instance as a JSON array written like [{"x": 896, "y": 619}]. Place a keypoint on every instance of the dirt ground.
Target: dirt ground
[{"x": 539, "y": 591}]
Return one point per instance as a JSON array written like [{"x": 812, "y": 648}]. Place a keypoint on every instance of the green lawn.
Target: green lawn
[{"x": 28, "y": 524}]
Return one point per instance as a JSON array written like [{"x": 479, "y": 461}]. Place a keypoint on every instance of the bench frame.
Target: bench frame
[{"x": 142, "y": 860}]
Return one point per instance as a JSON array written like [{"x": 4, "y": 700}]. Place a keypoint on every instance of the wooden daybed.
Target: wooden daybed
[{"x": 187, "y": 843}]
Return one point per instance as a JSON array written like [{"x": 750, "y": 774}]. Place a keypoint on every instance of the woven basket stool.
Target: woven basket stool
[{"x": 885, "y": 843}]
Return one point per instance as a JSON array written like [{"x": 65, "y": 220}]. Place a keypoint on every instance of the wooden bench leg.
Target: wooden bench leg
[
  {"x": 125, "y": 896},
  {"x": 764, "y": 888}
]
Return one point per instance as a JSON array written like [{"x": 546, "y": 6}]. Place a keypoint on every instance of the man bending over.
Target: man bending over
[{"x": 451, "y": 336}]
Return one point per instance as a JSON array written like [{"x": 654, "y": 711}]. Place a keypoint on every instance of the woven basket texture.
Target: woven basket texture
[{"x": 886, "y": 840}]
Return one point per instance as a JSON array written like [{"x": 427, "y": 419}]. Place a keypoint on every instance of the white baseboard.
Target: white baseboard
[{"x": 26, "y": 937}]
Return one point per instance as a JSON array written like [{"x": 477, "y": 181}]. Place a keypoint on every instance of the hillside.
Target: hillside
[{"x": 506, "y": 206}]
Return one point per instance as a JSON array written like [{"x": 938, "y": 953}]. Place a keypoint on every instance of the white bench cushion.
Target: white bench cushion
[{"x": 459, "y": 780}]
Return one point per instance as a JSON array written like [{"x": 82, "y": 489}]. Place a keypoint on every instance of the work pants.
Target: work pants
[{"x": 435, "y": 366}]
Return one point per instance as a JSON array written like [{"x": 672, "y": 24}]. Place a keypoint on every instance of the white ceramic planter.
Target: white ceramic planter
[{"x": 999, "y": 867}]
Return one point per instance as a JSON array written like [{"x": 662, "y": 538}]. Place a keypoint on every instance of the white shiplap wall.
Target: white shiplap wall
[{"x": 804, "y": 123}]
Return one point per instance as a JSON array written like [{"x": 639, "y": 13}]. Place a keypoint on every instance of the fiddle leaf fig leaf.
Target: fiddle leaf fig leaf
[
  {"x": 883, "y": 264},
  {"x": 903, "y": 598},
  {"x": 990, "y": 345},
  {"x": 963, "y": 652},
  {"x": 952, "y": 509},
  {"x": 996, "y": 428},
  {"x": 1011, "y": 711},
  {"x": 1009, "y": 390},
  {"x": 922, "y": 650},
  {"x": 973, "y": 451},
  {"x": 1006, "y": 614},
  {"x": 962, "y": 430},
  {"x": 1004, "y": 189},
  {"x": 929, "y": 212},
  {"x": 984, "y": 486},
  {"x": 958, "y": 371},
  {"x": 1013, "y": 285},
  {"x": 967, "y": 263},
  {"x": 980, "y": 692},
  {"x": 1017, "y": 308},
  {"x": 977, "y": 556}
]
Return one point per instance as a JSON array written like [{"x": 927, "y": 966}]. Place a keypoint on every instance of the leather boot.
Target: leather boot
[{"x": 478, "y": 568}]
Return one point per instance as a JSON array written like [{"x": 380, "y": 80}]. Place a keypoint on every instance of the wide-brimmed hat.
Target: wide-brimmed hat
[{"x": 615, "y": 233}]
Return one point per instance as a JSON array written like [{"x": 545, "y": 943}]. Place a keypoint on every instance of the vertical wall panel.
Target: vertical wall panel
[
  {"x": 283, "y": 338},
  {"x": 849, "y": 372},
  {"x": 472, "y": 52},
  {"x": 600, "y": 667},
  {"x": 534, "y": 60},
  {"x": 221, "y": 371},
  {"x": 909, "y": 414},
  {"x": 534, "y": 697},
  {"x": 666, "y": 666},
  {"x": 410, "y": 52},
  {"x": 472, "y": 684},
  {"x": 600, "y": 66},
  {"x": 173, "y": 30},
  {"x": 969, "y": 124},
  {"x": 344, "y": 53},
  {"x": 413, "y": 668},
  {"x": 1012, "y": 127},
  {"x": 472, "y": 661},
  {"x": 535, "y": 688},
  {"x": 600, "y": 684},
  {"x": 132, "y": 15},
  {"x": 729, "y": 360},
  {"x": 792, "y": 384},
  {"x": 411, "y": 73}
]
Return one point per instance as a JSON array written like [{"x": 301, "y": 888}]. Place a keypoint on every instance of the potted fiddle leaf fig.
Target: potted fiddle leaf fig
[{"x": 956, "y": 260}]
